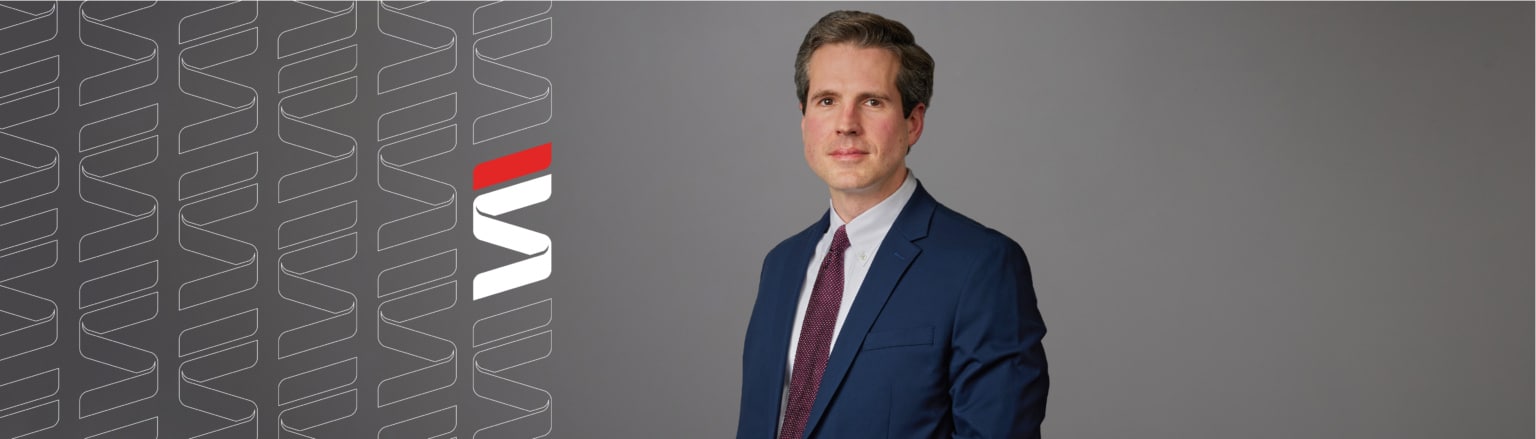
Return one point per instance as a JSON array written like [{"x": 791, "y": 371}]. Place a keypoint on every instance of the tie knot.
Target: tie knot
[{"x": 839, "y": 240}]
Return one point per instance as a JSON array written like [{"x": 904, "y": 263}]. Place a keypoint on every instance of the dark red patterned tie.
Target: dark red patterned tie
[{"x": 815, "y": 338}]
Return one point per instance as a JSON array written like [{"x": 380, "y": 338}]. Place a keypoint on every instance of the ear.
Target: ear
[
  {"x": 915, "y": 124},
  {"x": 802, "y": 117}
]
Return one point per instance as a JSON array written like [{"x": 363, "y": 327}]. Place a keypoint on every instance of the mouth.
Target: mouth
[{"x": 847, "y": 154}]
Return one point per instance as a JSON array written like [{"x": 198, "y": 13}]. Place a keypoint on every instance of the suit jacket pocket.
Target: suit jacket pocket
[{"x": 898, "y": 337}]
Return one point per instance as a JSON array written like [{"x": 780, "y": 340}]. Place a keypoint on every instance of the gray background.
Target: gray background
[{"x": 1244, "y": 220}]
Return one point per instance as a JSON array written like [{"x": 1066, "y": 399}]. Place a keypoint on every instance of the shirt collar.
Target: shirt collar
[{"x": 870, "y": 227}]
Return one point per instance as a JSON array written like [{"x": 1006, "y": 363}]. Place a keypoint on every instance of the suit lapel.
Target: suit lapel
[
  {"x": 896, "y": 254},
  {"x": 786, "y": 298}
]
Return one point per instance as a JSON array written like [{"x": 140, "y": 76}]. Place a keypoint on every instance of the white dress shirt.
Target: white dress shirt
[{"x": 865, "y": 233}]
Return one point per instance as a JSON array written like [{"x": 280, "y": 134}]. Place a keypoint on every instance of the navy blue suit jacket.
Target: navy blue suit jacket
[{"x": 943, "y": 339}]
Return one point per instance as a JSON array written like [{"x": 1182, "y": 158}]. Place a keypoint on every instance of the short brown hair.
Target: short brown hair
[{"x": 915, "y": 78}]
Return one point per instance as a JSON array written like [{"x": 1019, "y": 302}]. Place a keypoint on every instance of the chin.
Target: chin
[
  {"x": 851, "y": 186},
  {"x": 840, "y": 179}
]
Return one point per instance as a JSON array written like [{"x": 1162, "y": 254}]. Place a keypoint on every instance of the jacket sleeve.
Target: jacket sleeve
[{"x": 997, "y": 368}]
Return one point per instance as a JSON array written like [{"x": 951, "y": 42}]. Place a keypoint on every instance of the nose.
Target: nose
[{"x": 848, "y": 121}]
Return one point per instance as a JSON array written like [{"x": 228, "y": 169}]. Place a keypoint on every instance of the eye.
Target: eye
[
  {"x": 824, "y": 101},
  {"x": 873, "y": 102}
]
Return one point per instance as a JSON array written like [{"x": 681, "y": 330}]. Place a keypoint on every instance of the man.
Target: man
[{"x": 936, "y": 330}]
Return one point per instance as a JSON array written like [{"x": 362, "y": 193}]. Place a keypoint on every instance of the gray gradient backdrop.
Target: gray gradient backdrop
[{"x": 1245, "y": 220}]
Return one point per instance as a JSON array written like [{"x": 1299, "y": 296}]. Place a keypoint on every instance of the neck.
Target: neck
[{"x": 849, "y": 205}]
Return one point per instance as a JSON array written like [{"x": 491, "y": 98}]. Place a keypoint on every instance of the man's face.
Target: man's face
[{"x": 855, "y": 137}]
